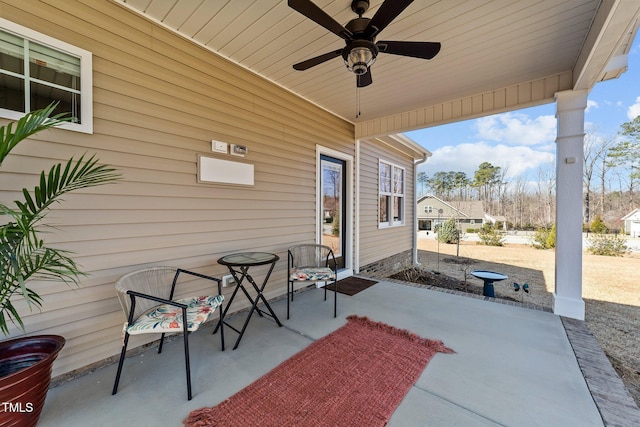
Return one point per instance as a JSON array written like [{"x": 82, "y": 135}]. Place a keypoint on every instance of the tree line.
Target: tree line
[{"x": 611, "y": 176}]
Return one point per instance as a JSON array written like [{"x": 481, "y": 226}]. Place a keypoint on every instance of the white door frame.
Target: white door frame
[{"x": 348, "y": 249}]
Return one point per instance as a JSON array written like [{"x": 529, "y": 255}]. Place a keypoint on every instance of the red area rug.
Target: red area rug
[{"x": 355, "y": 376}]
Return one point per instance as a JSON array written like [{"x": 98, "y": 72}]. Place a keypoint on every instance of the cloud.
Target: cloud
[
  {"x": 517, "y": 129},
  {"x": 518, "y": 143},
  {"x": 591, "y": 104},
  {"x": 467, "y": 157},
  {"x": 634, "y": 110}
]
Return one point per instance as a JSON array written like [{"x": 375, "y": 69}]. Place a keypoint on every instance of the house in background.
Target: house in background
[
  {"x": 432, "y": 211},
  {"x": 632, "y": 223},
  {"x": 154, "y": 82},
  {"x": 494, "y": 220}
]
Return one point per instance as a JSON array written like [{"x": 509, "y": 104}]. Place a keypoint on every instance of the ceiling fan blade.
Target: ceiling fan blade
[
  {"x": 386, "y": 13},
  {"x": 424, "y": 50},
  {"x": 305, "y": 65},
  {"x": 320, "y": 17},
  {"x": 364, "y": 80}
]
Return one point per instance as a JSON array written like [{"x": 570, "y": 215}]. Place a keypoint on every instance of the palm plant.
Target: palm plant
[{"x": 24, "y": 255}]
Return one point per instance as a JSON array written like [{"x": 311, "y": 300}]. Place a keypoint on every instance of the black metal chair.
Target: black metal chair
[
  {"x": 312, "y": 263},
  {"x": 147, "y": 298}
]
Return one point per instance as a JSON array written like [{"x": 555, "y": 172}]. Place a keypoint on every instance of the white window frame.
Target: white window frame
[
  {"x": 392, "y": 194},
  {"x": 428, "y": 209},
  {"x": 86, "y": 77}
]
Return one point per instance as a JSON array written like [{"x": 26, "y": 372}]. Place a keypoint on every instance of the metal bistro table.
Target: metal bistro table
[
  {"x": 239, "y": 265},
  {"x": 488, "y": 277}
]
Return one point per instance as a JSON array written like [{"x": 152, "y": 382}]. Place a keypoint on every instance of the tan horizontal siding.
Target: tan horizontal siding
[
  {"x": 158, "y": 102},
  {"x": 379, "y": 243}
]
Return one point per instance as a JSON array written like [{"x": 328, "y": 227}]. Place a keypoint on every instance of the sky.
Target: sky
[{"x": 523, "y": 141}]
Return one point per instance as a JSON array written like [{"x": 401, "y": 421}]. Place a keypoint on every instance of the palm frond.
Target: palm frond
[
  {"x": 25, "y": 258},
  {"x": 59, "y": 181},
  {"x": 28, "y": 125},
  {"x": 9, "y": 314},
  {"x": 23, "y": 255}
]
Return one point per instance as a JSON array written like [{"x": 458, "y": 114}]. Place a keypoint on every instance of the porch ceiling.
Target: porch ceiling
[{"x": 518, "y": 53}]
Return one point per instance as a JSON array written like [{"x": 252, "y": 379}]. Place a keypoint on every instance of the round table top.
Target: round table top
[
  {"x": 488, "y": 275},
  {"x": 247, "y": 259}
]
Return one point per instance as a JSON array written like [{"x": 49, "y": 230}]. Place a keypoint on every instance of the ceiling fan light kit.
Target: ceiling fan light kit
[
  {"x": 359, "y": 34},
  {"x": 359, "y": 55}
]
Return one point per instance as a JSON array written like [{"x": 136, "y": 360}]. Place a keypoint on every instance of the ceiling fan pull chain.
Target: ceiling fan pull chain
[{"x": 357, "y": 102}]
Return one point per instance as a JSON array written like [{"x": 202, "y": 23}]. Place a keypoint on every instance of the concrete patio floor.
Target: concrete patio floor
[{"x": 513, "y": 366}]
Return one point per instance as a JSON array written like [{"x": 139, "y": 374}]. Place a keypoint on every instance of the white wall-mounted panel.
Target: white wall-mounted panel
[{"x": 219, "y": 171}]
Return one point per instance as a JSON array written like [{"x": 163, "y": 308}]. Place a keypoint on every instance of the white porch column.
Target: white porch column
[{"x": 567, "y": 298}]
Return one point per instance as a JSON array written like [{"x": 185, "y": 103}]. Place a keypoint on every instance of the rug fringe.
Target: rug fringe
[
  {"x": 410, "y": 336},
  {"x": 200, "y": 418}
]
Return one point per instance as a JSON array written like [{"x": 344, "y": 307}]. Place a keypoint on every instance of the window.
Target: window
[
  {"x": 36, "y": 70},
  {"x": 428, "y": 209},
  {"x": 391, "y": 195},
  {"x": 424, "y": 224}
]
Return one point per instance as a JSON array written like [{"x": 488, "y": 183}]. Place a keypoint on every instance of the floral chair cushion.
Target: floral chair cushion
[
  {"x": 168, "y": 318},
  {"x": 312, "y": 274}
]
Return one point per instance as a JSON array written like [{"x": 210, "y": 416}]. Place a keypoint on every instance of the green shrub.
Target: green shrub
[
  {"x": 544, "y": 238},
  {"x": 448, "y": 232},
  {"x": 551, "y": 238},
  {"x": 598, "y": 226},
  {"x": 490, "y": 236},
  {"x": 607, "y": 244},
  {"x": 335, "y": 225},
  {"x": 472, "y": 230}
]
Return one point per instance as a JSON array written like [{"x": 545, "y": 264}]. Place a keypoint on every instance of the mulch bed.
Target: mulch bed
[{"x": 439, "y": 280}]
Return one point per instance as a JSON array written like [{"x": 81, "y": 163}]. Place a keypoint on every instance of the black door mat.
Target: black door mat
[{"x": 352, "y": 285}]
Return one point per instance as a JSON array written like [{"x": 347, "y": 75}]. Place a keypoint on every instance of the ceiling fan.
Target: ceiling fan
[{"x": 361, "y": 49}]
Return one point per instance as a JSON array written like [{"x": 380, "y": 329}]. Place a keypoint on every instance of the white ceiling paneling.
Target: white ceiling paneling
[
  {"x": 158, "y": 8},
  {"x": 486, "y": 45},
  {"x": 179, "y": 12}
]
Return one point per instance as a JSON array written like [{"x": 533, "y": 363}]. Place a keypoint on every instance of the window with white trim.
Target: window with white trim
[
  {"x": 36, "y": 70},
  {"x": 428, "y": 209},
  {"x": 391, "y": 194}
]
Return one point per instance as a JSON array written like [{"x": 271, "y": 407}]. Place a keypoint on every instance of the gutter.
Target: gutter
[{"x": 416, "y": 163}]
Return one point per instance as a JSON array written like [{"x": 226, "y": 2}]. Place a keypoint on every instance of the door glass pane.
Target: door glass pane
[{"x": 332, "y": 200}]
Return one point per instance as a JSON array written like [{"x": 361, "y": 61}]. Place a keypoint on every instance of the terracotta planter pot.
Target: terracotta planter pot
[{"x": 25, "y": 375}]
